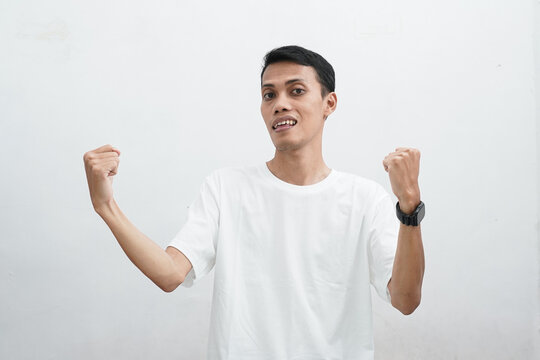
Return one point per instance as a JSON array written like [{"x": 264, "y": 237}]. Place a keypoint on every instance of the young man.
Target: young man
[{"x": 295, "y": 244}]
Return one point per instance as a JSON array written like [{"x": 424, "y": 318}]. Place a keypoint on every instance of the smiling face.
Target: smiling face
[{"x": 291, "y": 92}]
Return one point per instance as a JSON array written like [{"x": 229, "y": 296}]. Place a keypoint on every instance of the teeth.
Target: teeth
[{"x": 288, "y": 122}]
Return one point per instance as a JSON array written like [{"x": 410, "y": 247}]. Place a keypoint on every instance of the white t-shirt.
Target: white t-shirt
[{"x": 293, "y": 264}]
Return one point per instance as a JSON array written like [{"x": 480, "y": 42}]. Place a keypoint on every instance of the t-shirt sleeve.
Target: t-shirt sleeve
[
  {"x": 197, "y": 239},
  {"x": 383, "y": 236}
]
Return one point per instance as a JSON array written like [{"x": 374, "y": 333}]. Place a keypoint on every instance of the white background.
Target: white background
[{"x": 175, "y": 86}]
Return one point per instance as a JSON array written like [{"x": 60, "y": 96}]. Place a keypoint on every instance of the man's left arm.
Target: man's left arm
[{"x": 405, "y": 286}]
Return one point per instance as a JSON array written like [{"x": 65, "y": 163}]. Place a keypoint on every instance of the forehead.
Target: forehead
[{"x": 279, "y": 73}]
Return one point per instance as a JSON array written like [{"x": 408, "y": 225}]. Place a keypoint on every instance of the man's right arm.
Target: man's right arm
[{"x": 166, "y": 268}]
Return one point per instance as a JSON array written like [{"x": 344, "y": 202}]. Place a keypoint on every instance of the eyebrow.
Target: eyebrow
[{"x": 286, "y": 83}]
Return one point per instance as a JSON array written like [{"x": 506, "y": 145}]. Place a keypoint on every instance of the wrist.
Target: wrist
[
  {"x": 409, "y": 199},
  {"x": 412, "y": 218},
  {"x": 408, "y": 206},
  {"x": 103, "y": 209}
]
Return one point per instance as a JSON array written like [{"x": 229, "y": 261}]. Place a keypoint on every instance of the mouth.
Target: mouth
[{"x": 284, "y": 125}]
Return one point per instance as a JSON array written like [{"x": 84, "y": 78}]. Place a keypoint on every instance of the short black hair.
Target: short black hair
[{"x": 302, "y": 56}]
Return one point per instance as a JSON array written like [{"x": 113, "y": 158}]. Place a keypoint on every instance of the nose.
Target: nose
[{"x": 281, "y": 104}]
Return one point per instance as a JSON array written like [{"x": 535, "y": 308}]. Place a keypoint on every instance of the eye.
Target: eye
[
  {"x": 298, "y": 93},
  {"x": 265, "y": 97}
]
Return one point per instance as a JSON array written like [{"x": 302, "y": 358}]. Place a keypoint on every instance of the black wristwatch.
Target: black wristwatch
[{"x": 414, "y": 218}]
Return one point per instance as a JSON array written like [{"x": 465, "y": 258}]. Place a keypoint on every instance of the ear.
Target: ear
[{"x": 330, "y": 103}]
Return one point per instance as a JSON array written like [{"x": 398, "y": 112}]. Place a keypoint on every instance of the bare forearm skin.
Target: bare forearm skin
[
  {"x": 145, "y": 254},
  {"x": 405, "y": 286}
]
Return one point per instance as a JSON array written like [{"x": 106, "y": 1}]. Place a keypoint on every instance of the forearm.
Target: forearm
[
  {"x": 151, "y": 259},
  {"x": 405, "y": 285}
]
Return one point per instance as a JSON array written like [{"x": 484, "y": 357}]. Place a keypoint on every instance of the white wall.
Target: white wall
[
  {"x": 175, "y": 86},
  {"x": 536, "y": 38}
]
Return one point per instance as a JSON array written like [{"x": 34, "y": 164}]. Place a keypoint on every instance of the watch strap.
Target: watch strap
[{"x": 413, "y": 219}]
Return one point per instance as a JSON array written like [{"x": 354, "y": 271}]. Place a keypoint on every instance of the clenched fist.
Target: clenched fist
[
  {"x": 101, "y": 165},
  {"x": 403, "y": 166}
]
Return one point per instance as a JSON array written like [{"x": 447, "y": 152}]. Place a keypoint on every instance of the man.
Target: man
[{"x": 295, "y": 244}]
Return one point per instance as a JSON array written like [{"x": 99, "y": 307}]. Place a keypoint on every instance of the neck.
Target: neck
[{"x": 302, "y": 166}]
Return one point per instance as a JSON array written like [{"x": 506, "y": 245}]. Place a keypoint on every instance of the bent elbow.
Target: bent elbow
[
  {"x": 168, "y": 288},
  {"x": 408, "y": 305},
  {"x": 170, "y": 285},
  {"x": 408, "y": 310}
]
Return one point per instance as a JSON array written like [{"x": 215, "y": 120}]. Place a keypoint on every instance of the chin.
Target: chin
[
  {"x": 288, "y": 143},
  {"x": 284, "y": 146}
]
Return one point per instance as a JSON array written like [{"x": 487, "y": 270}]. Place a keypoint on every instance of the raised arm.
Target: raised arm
[
  {"x": 166, "y": 268},
  {"x": 405, "y": 286}
]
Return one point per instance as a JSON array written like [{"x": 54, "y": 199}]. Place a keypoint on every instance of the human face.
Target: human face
[{"x": 292, "y": 92}]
